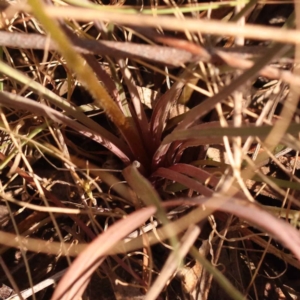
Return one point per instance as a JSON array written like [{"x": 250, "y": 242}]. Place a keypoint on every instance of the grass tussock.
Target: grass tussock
[{"x": 149, "y": 150}]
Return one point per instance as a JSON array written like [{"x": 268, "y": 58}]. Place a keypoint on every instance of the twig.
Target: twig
[
  {"x": 182, "y": 52},
  {"x": 170, "y": 56},
  {"x": 38, "y": 287}
]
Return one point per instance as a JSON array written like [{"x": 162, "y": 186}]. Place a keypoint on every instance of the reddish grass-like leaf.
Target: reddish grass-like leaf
[
  {"x": 202, "y": 176},
  {"x": 253, "y": 213},
  {"x": 197, "y": 173},
  {"x": 183, "y": 179},
  {"x": 206, "y": 106},
  {"x": 137, "y": 111},
  {"x": 104, "y": 137},
  {"x": 161, "y": 111},
  {"x": 215, "y": 135},
  {"x": 74, "y": 282},
  {"x": 159, "y": 156}
]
